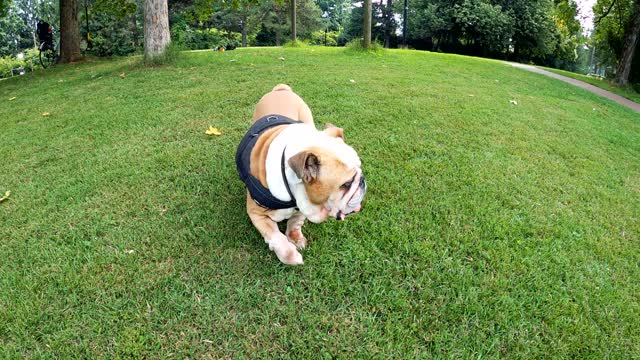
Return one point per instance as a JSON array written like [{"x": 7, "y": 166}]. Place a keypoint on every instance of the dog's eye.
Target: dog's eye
[{"x": 347, "y": 185}]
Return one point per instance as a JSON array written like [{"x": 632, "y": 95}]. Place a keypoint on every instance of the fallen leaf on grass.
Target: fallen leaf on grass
[
  {"x": 122, "y": 76},
  {"x": 129, "y": 251},
  {"x": 45, "y": 114},
  {"x": 232, "y": 60},
  {"x": 213, "y": 131},
  {"x": 352, "y": 81},
  {"x": 194, "y": 67},
  {"x": 6, "y": 196},
  {"x": 513, "y": 102},
  {"x": 281, "y": 58},
  {"x": 471, "y": 95},
  {"x": 12, "y": 98}
]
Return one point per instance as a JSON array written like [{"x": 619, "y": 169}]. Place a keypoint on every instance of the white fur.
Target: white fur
[
  {"x": 297, "y": 138},
  {"x": 285, "y": 251}
]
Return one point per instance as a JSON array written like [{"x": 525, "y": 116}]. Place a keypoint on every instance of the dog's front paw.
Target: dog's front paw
[
  {"x": 296, "y": 237},
  {"x": 286, "y": 251}
]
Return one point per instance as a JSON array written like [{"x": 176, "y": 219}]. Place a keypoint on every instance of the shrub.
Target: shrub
[
  {"x": 317, "y": 38},
  {"x": 196, "y": 39},
  {"x": 356, "y": 45},
  {"x": 10, "y": 65}
]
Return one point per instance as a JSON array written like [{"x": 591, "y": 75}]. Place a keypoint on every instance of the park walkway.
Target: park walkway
[{"x": 594, "y": 89}]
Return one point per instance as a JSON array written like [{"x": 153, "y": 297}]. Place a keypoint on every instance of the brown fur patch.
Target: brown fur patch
[
  {"x": 333, "y": 173},
  {"x": 285, "y": 102},
  {"x": 259, "y": 153}
]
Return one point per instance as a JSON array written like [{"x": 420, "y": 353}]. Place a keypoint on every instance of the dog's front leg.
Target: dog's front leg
[
  {"x": 277, "y": 241},
  {"x": 294, "y": 230}
]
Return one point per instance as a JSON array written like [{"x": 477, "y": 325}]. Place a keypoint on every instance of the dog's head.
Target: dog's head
[{"x": 331, "y": 174}]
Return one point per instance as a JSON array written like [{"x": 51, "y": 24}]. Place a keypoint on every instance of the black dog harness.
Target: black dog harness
[{"x": 260, "y": 194}]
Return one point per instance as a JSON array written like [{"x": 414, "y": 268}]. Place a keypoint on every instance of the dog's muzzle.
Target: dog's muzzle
[{"x": 355, "y": 202}]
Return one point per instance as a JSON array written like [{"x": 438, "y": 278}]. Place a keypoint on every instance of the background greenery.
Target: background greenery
[{"x": 543, "y": 32}]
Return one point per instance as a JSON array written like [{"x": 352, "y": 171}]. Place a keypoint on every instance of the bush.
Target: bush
[
  {"x": 29, "y": 63},
  {"x": 169, "y": 57},
  {"x": 317, "y": 38},
  {"x": 357, "y": 46},
  {"x": 196, "y": 39},
  {"x": 296, "y": 44},
  {"x": 112, "y": 36}
]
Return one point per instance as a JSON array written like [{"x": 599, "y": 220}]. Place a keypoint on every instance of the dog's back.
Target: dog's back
[{"x": 283, "y": 101}]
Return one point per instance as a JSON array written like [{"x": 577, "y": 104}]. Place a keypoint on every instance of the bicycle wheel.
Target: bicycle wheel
[{"x": 47, "y": 56}]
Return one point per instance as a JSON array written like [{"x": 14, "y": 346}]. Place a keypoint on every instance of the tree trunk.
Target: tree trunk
[
  {"x": 244, "y": 33},
  {"x": 366, "y": 28},
  {"x": 293, "y": 20},
  {"x": 134, "y": 30},
  {"x": 69, "y": 32},
  {"x": 630, "y": 42},
  {"x": 156, "y": 27},
  {"x": 388, "y": 19},
  {"x": 35, "y": 38}
]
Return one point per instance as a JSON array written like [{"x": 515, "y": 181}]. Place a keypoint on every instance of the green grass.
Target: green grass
[
  {"x": 626, "y": 92},
  {"x": 489, "y": 229}
]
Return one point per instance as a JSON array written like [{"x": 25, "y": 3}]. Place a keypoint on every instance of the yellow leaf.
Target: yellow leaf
[
  {"x": 12, "y": 98},
  {"x": 45, "y": 114},
  {"x": 122, "y": 75},
  {"x": 6, "y": 196},
  {"x": 213, "y": 131}
]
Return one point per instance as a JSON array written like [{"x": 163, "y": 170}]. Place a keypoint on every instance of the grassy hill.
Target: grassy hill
[{"x": 489, "y": 229}]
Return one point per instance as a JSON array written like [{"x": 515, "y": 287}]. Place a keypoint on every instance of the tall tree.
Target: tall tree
[
  {"x": 293, "y": 12},
  {"x": 69, "y": 31},
  {"x": 156, "y": 28},
  {"x": 629, "y": 47},
  {"x": 366, "y": 24},
  {"x": 617, "y": 27}
]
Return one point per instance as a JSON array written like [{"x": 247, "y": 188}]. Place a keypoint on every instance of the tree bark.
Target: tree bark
[
  {"x": 69, "y": 31},
  {"x": 134, "y": 30},
  {"x": 388, "y": 11},
  {"x": 366, "y": 28},
  {"x": 630, "y": 43},
  {"x": 243, "y": 30},
  {"x": 293, "y": 21},
  {"x": 156, "y": 27}
]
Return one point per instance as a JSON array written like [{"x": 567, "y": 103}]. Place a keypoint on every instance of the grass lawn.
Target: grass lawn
[
  {"x": 489, "y": 229},
  {"x": 626, "y": 92}
]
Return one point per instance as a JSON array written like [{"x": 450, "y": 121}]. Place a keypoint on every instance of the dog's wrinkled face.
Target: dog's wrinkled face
[{"x": 332, "y": 177}]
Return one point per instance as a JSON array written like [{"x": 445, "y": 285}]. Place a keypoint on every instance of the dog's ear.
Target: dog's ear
[
  {"x": 334, "y": 131},
  {"x": 306, "y": 165}
]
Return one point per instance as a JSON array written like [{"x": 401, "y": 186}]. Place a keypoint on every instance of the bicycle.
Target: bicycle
[{"x": 48, "y": 49}]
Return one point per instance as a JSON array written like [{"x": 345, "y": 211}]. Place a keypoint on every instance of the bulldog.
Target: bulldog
[{"x": 294, "y": 171}]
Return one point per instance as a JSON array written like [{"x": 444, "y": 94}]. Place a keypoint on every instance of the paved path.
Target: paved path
[{"x": 594, "y": 89}]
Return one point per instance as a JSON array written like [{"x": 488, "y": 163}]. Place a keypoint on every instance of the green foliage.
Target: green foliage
[
  {"x": 296, "y": 44},
  {"x": 483, "y": 25},
  {"x": 10, "y": 65},
  {"x": 318, "y": 38},
  {"x": 18, "y": 25},
  {"x": 117, "y": 8},
  {"x": 172, "y": 53},
  {"x": 357, "y": 46},
  {"x": 113, "y": 35},
  {"x": 198, "y": 39},
  {"x": 609, "y": 35}
]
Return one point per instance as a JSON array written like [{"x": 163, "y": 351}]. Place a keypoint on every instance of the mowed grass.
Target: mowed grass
[
  {"x": 489, "y": 229},
  {"x": 626, "y": 92}
]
